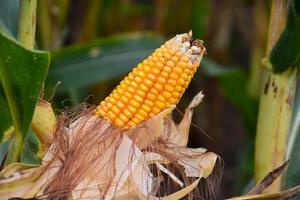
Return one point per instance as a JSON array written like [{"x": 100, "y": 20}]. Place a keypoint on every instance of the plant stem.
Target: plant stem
[
  {"x": 276, "y": 105},
  {"x": 26, "y": 35},
  {"x": 258, "y": 47},
  {"x": 27, "y": 23}
]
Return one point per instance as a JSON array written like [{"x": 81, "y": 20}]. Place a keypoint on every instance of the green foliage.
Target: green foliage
[
  {"x": 286, "y": 52},
  {"x": 22, "y": 74},
  {"x": 101, "y": 60},
  {"x": 6, "y": 121},
  {"x": 233, "y": 82},
  {"x": 31, "y": 148},
  {"x": 9, "y": 13}
]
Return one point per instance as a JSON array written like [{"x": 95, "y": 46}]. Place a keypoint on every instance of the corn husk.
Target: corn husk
[{"x": 129, "y": 153}]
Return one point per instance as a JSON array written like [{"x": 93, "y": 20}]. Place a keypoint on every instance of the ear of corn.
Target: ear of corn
[{"x": 155, "y": 84}]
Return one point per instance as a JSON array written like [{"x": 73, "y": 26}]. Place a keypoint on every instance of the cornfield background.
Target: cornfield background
[{"x": 95, "y": 43}]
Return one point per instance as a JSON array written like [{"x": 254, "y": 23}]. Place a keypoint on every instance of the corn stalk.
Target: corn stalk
[{"x": 276, "y": 105}]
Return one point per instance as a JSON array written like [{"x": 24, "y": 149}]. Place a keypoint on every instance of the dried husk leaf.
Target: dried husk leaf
[{"x": 131, "y": 178}]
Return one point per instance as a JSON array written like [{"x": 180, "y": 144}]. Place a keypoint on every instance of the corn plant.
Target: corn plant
[{"x": 129, "y": 147}]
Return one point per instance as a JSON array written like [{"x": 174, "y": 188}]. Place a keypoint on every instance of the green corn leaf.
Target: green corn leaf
[
  {"x": 22, "y": 74},
  {"x": 100, "y": 60},
  {"x": 233, "y": 83},
  {"x": 286, "y": 52}
]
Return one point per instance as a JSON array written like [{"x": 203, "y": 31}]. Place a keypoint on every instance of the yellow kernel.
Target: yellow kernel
[
  {"x": 143, "y": 87},
  {"x": 167, "y": 95},
  {"x": 161, "y": 80},
  {"x": 164, "y": 74},
  {"x": 146, "y": 68},
  {"x": 141, "y": 93},
  {"x": 151, "y": 76},
  {"x": 148, "y": 103},
  {"x": 134, "y": 103},
  {"x": 148, "y": 82},
  {"x": 128, "y": 95},
  {"x": 170, "y": 63},
  {"x": 174, "y": 76},
  {"x": 138, "y": 79},
  {"x": 109, "y": 105},
  {"x": 134, "y": 84},
  {"x": 100, "y": 112},
  {"x": 186, "y": 84},
  {"x": 124, "y": 99},
  {"x": 160, "y": 104},
  {"x": 159, "y": 65},
  {"x": 120, "y": 105},
  {"x": 172, "y": 82},
  {"x": 105, "y": 109},
  {"x": 173, "y": 100},
  {"x": 184, "y": 76},
  {"x": 119, "y": 91},
  {"x": 151, "y": 97},
  {"x": 186, "y": 70},
  {"x": 115, "y": 110},
  {"x": 151, "y": 114},
  {"x": 178, "y": 54},
  {"x": 167, "y": 69},
  {"x": 139, "y": 117},
  {"x": 154, "y": 91},
  {"x": 167, "y": 55},
  {"x": 180, "y": 81},
  {"x": 175, "y": 59},
  {"x": 130, "y": 75},
  {"x": 138, "y": 98},
  {"x": 131, "y": 89},
  {"x": 172, "y": 51},
  {"x": 119, "y": 122},
  {"x": 161, "y": 98},
  {"x": 156, "y": 71},
  {"x": 142, "y": 113},
  {"x": 156, "y": 110},
  {"x": 177, "y": 70},
  {"x": 112, "y": 100},
  {"x": 101, "y": 104},
  {"x": 135, "y": 120},
  {"x": 135, "y": 70},
  {"x": 131, "y": 124},
  {"x": 123, "y": 117},
  {"x": 146, "y": 108},
  {"x": 182, "y": 64},
  {"x": 178, "y": 88},
  {"x": 111, "y": 116},
  {"x": 154, "y": 58},
  {"x": 131, "y": 109},
  {"x": 169, "y": 88},
  {"x": 127, "y": 113},
  {"x": 185, "y": 59},
  {"x": 142, "y": 73},
  {"x": 176, "y": 94},
  {"x": 158, "y": 86}
]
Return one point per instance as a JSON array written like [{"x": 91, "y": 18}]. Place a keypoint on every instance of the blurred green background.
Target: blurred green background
[{"x": 94, "y": 43}]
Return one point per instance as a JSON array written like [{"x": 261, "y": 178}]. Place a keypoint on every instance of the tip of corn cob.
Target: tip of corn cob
[{"x": 155, "y": 84}]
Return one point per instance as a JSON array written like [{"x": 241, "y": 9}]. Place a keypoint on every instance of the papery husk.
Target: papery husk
[
  {"x": 44, "y": 125},
  {"x": 92, "y": 159}
]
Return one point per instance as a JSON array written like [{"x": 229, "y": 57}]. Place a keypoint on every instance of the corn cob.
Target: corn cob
[{"x": 155, "y": 84}]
